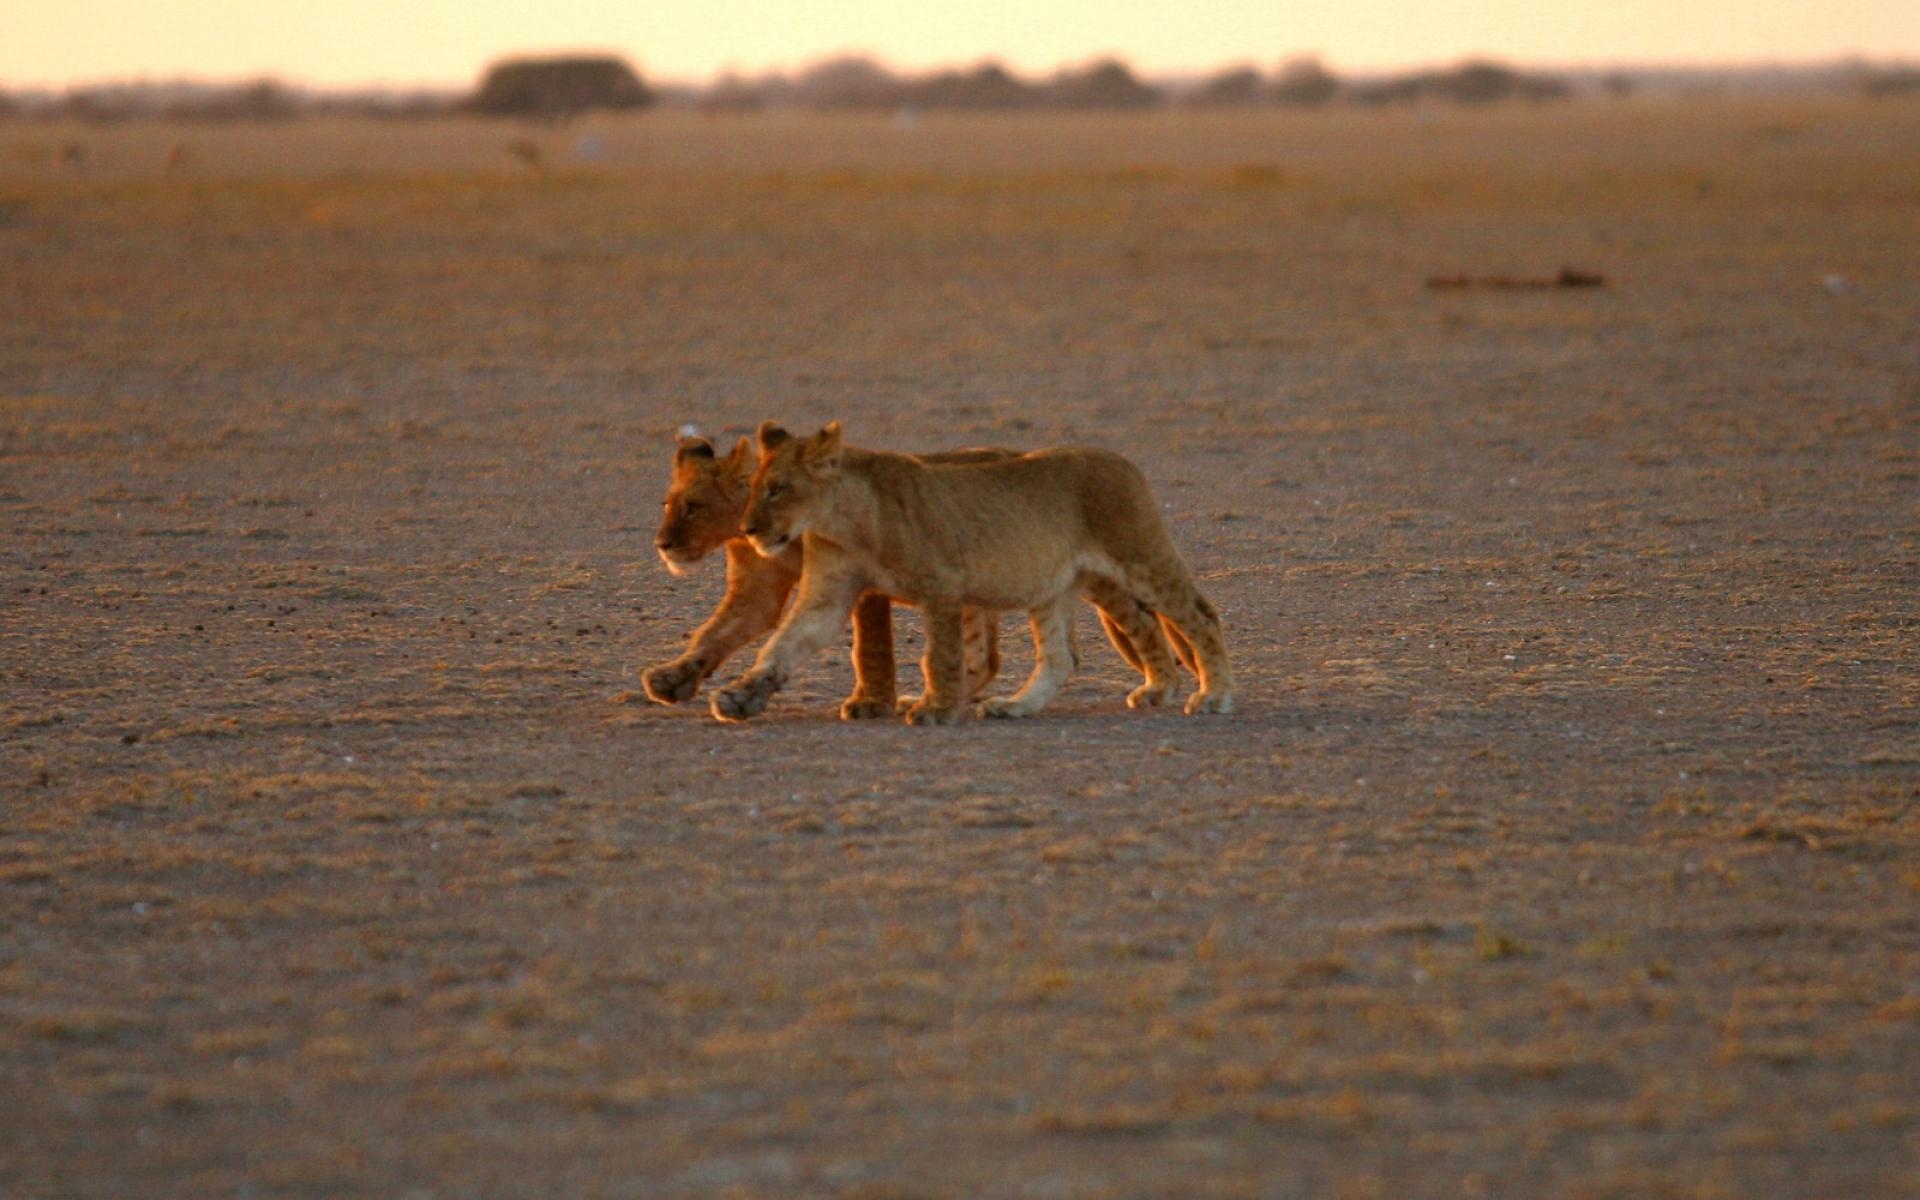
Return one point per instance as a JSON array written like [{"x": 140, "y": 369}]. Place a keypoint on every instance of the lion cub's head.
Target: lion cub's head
[
  {"x": 704, "y": 504},
  {"x": 793, "y": 477}
]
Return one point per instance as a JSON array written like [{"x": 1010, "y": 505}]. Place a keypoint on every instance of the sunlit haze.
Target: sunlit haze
[{"x": 349, "y": 42}]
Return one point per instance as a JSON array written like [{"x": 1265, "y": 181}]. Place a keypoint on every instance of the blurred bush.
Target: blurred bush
[
  {"x": 1469, "y": 83},
  {"x": 1894, "y": 81},
  {"x": 558, "y": 88}
]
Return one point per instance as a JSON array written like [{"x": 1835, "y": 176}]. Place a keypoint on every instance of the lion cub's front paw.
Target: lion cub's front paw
[
  {"x": 1148, "y": 695},
  {"x": 1209, "y": 702},
  {"x": 1004, "y": 709},
  {"x": 672, "y": 682},
  {"x": 864, "y": 707},
  {"x": 922, "y": 713},
  {"x": 744, "y": 698}
]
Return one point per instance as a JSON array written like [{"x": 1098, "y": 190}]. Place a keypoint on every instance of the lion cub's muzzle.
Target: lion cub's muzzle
[
  {"x": 768, "y": 543},
  {"x": 759, "y": 531},
  {"x": 674, "y": 553}
]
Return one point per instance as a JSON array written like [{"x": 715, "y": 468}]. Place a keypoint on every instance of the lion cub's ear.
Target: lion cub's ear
[
  {"x": 692, "y": 448},
  {"x": 771, "y": 436},
  {"x": 823, "y": 448},
  {"x": 740, "y": 462}
]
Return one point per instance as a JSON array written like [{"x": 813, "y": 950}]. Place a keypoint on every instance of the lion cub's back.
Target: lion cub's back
[
  {"x": 968, "y": 454},
  {"x": 1110, "y": 492},
  {"x": 1048, "y": 503},
  {"x": 1052, "y": 484}
]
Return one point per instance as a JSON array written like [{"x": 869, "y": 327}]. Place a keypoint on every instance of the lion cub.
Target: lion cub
[
  {"x": 703, "y": 510},
  {"x": 1025, "y": 532},
  {"x": 705, "y": 505}
]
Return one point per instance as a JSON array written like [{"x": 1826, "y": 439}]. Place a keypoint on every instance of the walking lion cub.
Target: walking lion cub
[
  {"x": 1029, "y": 532},
  {"x": 706, "y": 502},
  {"x": 705, "y": 506}
]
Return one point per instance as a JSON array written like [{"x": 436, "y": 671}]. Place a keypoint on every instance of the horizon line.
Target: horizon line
[{"x": 1730, "y": 66}]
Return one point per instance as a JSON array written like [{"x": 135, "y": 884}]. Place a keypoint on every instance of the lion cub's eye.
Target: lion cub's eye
[
  {"x": 691, "y": 507},
  {"x": 775, "y": 490}
]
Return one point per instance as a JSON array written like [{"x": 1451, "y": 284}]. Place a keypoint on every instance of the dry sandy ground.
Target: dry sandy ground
[{"x": 1564, "y": 844}]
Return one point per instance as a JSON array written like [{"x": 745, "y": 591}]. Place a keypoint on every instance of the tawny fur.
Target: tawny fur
[
  {"x": 1029, "y": 532},
  {"x": 705, "y": 504}
]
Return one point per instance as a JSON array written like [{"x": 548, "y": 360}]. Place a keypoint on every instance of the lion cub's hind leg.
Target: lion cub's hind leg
[
  {"x": 980, "y": 639},
  {"x": 980, "y": 644},
  {"x": 944, "y": 665},
  {"x": 1053, "y": 661},
  {"x": 874, "y": 682},
  {"x": 1118, "y": 636},
  {"x": 1136, "y": 633},
  {"x": 1182, "y": 648},
  {"x": 1187, "y": 615}
]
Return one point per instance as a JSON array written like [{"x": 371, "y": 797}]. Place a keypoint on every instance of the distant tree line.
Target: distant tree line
[
  {"x": 556, "y": 89},
  {"x": 254, "y": 100},
  {"x": 860, "y": 83},
  {"x": 857, "y": 84}
]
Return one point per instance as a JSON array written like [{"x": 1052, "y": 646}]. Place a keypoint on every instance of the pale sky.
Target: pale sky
[{"x": 344, "y": 42}]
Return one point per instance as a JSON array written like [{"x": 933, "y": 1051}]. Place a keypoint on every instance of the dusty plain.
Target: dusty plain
[{"x": 1565, "y": 842}]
